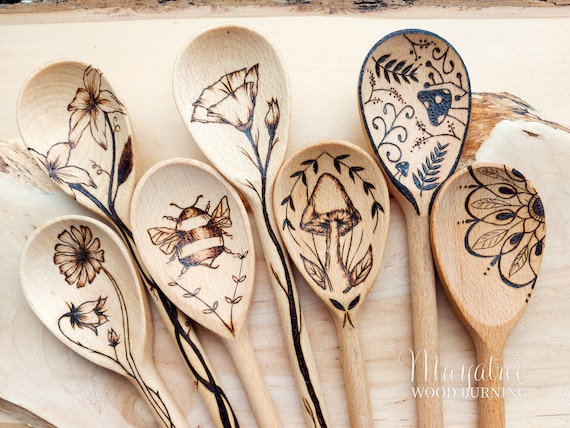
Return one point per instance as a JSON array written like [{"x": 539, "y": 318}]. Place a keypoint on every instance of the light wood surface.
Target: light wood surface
[
  {"x": 332, "y": 202},
  {"x": 194, "y": 236},
  {"x": 515, "y": 50},
  {"x": 488, "y": 234},
  {"x": 79, "y": 280}
]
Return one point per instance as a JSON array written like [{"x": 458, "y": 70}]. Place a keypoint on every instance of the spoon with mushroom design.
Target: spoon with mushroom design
[
  {"x": 77, "y": 129},
  {"x": 333, "y": 204},
  {"x": 488, "y": 236},
  {"x": 78, "y": 278},
  {"x": 193, "y": 233},
  {"x": 232, "y": 91},
  {"x": 415, "y": 103}
]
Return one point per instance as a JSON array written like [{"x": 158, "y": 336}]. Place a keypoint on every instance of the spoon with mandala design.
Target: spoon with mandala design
[
  {"x": 78, "y": 278},
  {"x": 488, "y": 236},
  {"x": 193, "y": 234},
  {"x": 334, "y": 207},
  {"x": 232, "y": 91},
  {"x": 77, "y": 128},
  {"x": 415, "y": 103}
]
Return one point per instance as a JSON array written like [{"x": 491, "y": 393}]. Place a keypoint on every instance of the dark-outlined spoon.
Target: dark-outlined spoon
[
  {"x": 193, "y": 234},
  {"x": 415, "y": 103},
  {"x": 75, "y": 124},
  {"x": 78, "y": 277},
  {"x": 232, "y": 91},
  {"x": 334, "y": 207},
  {"x": 488, "y": 235}
]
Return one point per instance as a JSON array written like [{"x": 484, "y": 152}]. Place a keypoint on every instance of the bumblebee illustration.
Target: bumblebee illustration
[{"x": 197, "y": 238}]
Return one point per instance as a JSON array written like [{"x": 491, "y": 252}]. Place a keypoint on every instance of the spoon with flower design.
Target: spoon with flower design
[
  {"x": 488, "y": 235},
  {"x": 415, "y": 103},
  {"x": 78, "y": 278},
  {"x": 232, "y": 91},
  {"x": 193, "y": 234},
  {"x": 77, "y": 128},
  {"x": 333, "y": 204}
]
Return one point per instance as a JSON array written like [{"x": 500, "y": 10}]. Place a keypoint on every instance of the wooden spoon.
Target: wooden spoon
[
  {"x": 333, "y": 203},
  {"x": 232, "y": 91},
  {"x": 194, "y": 236},
  {"x": 488, "y": 235},
  {"x": 415, "y": 102},
  {"x": 78, "y": 278},
  {"x": 74, "y": 123}
]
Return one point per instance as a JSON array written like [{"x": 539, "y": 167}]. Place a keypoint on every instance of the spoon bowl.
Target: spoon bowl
[
  {"x": 488, "y": 236},
  {"x": 232, "y": 91},
  {"x": 193, "y": 234},
  {"x": 333, "y": 203},
  {"x": 415, "y": 102},
  {"x": 78, "y": 278}
]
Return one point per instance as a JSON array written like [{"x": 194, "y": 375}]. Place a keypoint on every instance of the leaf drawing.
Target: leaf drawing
[
  {"x": 519, "y": 261},
  {"x": 354, "y": 302},
  {"x": 126, "y": 162},
  {"x": 489, "y": 203},
  {"x": 362, "y": 269},
  {"x": 489, "y": 239},
  {"x": 316, "y": 273},
  {"x": 427, "y": 177},
  {"x": 395, "y": 69}
]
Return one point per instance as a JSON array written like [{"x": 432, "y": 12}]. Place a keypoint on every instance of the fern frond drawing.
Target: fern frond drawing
[
  {"x": 396, "y": 69},
  {"x": 427, "y": 177}
]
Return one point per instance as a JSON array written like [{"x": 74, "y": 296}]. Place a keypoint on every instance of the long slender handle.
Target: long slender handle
[
  {"x": 490, "y": 384},
  {"x": 252, "y": 380},
  {"x": 287, "y": 300},
  {"x": 355, "y": 379},
  {"x": 152, "y": 388},
  {"x": 425, "y": 321}
]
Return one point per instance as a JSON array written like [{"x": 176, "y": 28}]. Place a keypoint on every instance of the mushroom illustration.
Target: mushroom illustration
[{"x": 330, "y": 213}]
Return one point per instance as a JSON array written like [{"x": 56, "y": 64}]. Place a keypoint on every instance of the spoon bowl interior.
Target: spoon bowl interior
[
  {"x": 194, "y": 236},
  {"x": 488, "y": 237}
]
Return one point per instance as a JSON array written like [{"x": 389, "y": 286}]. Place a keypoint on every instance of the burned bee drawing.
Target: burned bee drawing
[{"x": 197, "y": 237}]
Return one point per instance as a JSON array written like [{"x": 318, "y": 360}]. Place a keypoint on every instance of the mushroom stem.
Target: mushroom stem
[{"x": 336, "y": 271}]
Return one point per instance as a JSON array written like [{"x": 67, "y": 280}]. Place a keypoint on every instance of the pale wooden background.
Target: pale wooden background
[{"x": 523, "y": 51}]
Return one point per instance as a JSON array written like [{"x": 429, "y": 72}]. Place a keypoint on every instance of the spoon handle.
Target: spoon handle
[
  {"x": 354, "y": 369},
  {"x": 424, "y": 318},
  {"x": 252, "y": 380},
  {"x": 490, "y": 385},
  {"x": 287, "y": 300},
  {"x": 152, "y": 388}
]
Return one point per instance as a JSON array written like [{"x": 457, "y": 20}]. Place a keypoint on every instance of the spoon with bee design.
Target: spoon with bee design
[
  {"x": 194, "y": 236},
  {"x": 78, "y": 278},
  {"x": 333, "y": 203},
  {"x": 77, "y": 128},
  {"x": 415, "y": 103},
  {"x": 232, "y": 91},
  {"x": 488, "y": 236}
]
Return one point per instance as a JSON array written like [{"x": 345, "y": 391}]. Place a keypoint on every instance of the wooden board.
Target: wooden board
[{"x": 524, "y": 56}]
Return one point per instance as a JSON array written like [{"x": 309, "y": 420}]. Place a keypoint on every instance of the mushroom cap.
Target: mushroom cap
[{"x": 328, "y": 204}]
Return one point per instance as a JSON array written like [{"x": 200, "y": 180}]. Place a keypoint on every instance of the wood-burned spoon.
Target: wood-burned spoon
[
  {"x": 332, "y": 202},
  {"x": 415, "y": 102},
  {"x": 76, "y": 125},
  {"x": 194, "y": 236},
  {"x": 488, "y": 236},
  {"x": 232, "y": 91},
  {"x": 79, "y": 279}
]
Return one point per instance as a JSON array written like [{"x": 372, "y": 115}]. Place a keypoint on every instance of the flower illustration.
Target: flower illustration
[
  {"x": 90, "y": 314},
  {"x": 56, "y": 163},
  {"x": 90, "y": 107},
  {"x": 508, "y": 224},
  {"x": 272, "y": 117},
  {"x": 78, "y": 256},
  {"x": 113, "y": 338},
  {"x": 230, "y": 100}
]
